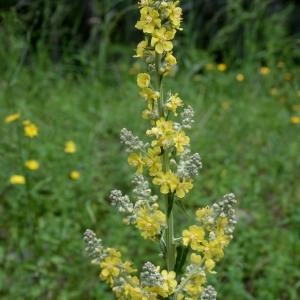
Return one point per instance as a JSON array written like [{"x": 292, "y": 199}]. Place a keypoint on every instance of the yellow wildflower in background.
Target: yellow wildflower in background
[
  {"x": 264, "y": 70},
  {"x": 17, "y": 179},
  {"x": 30, "y": 129},
  {"x": 240, "y": 77},
  {"x": 222, "y": 67},
  {"x": 273, "y": 91},
  {"x": 32, "y": 164},
  {"x": 225, "y": 105},
  {"x": 12, "y": 118},
  {"x": 295, "y": 120},
  {"x": 74, "y": 175},
  {"x": 288, "y": 76},
  {"x": 70, "y": 147}
]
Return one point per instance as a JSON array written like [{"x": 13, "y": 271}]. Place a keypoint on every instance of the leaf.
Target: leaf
[{"x": 182, "y": 252}]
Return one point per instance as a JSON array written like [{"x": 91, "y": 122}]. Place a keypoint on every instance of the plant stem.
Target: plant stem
[{"x": 169, "y": 233}]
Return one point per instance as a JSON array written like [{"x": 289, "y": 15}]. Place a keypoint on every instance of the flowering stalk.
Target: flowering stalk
[{"x": 165, "y": 163}]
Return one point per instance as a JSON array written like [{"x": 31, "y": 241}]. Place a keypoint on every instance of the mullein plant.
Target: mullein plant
[{"x": 167, "y": 165}]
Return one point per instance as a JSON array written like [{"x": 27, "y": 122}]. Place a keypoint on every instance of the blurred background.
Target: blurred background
[{"x": 68, "y": 67}]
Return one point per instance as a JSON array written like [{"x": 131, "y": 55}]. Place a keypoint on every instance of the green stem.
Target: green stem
[
  {"x": 169, "y": 233},
  {"x": 169, "y": 237}
]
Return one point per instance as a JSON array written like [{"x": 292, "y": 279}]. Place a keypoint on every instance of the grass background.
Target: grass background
[{"x": 242, "y": 130}]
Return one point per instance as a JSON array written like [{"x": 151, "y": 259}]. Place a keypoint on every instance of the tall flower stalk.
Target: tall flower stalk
[{"x": 164, "y": 164}]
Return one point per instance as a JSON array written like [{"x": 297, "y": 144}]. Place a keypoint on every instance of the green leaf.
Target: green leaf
[{"x": 182, "y": 252}]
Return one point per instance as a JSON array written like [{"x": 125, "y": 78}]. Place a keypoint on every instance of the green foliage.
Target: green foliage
[{"x": 255, "y": 155}]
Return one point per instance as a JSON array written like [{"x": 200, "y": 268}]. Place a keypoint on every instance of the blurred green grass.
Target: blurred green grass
[{"x": 242, "y": 131}]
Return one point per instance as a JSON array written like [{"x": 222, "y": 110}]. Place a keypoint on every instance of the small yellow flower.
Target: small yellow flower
[
  {"x": 149, "y": 20},
  {"x": 70, "y": 147},
  {"x": 143, "y": 80},
  {"x": 240, "y": 77},
  {"x": 32, "y": 164},
  {"x": 17, "y": 179},
  {"x": 30, "y": 129},
  {"x": 295, "y": 120},
  {"x": 161, "y": 39},
  {"x": 264, "y": 70},
  {"x": 222, "y": 67},
  {"x": 74, "y": 175},
  {"x": 273, "y": 91},
  {"x": 12, "y": 118},
  {"x": 225, "y": 105}
]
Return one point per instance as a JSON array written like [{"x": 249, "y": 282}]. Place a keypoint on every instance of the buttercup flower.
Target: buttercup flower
[
  {"x": 32, "y": 164},
  {"x": 70, "y": 147},
  {"x": 74, "y": 175},
  {"x": 17, "y": 179},
  {"x": 30, "y": 129}
]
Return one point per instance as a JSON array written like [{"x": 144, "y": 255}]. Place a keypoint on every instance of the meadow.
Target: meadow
[{"x": 247, "y": 122}]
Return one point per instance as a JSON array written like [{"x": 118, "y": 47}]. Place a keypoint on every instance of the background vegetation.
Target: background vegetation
[{"x": 68, "y": 68}]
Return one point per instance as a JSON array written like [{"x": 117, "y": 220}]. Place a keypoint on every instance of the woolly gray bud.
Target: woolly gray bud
[
  {"x": 187, "y": 117},
  {"x": 150, "y": 276},
  {"x": 94, "y": 247},
  {"x": 209, "y": 293},
  {"x": 131, "y": 142}
]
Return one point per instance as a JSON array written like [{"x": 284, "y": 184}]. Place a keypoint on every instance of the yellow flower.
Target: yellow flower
[
  {"x": 140, "y": 49},
  {"x": 273, "y": 91},
  {"x": 167, "y": 181},
  {"x": 150, "y": 222},
  {"x": 193, "y": 236},
  {"x": 173, "y": 103},
  {"x": 17, "y": 179},
  {"x": 70, "y": 147},
  {"x": 180, "y": 140},
  {"x": 196, "y": 259},
  {"x": 288, "y": 76},
  {"x": 170, "y": 282},
  {"x": 136, "y": 160},
  {"x": 183, "y": 188},
  {"x": 149, "y": 20},
  {"x": 30, "y": 129},
  {"x": 74, "y": 175},
  {"x": 161, "y": 39},
  {"x": 12, "y": 118},
  {"x": 225, "y": 105},
  {"x": 109, "y": 268},
  {"x": 295, "y": 120},
  {"x": 264, "y": 70},
  {"x": 209, "y": 265},
  {"x": 175, "y": 14},
  {"x": 240, "y": 77},
  {"x": 32, "y": 164},
  {"x": 222, "y": 67},
  {"x": 143, "y": 80}
]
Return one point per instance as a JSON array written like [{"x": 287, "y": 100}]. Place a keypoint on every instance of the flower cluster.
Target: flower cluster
[{"x": 165, "y": 164}]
